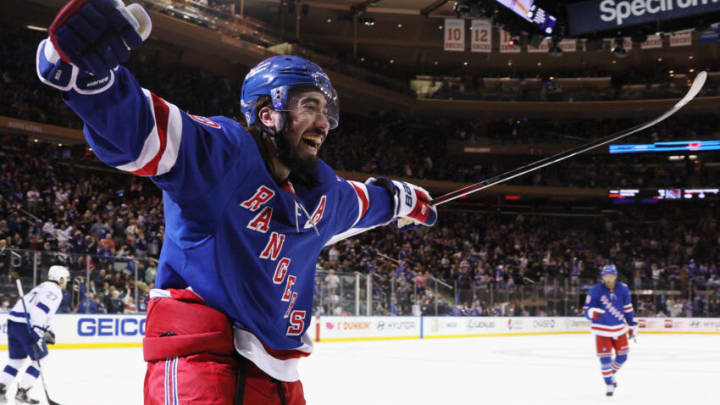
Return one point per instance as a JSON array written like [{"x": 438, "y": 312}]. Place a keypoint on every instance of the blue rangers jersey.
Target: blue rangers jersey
[
  {"x": 245, "y": 244},
  {"x": 617, "y": 304}
]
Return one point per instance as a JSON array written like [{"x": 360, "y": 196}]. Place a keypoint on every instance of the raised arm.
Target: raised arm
[{"x": 130, "y": 128}]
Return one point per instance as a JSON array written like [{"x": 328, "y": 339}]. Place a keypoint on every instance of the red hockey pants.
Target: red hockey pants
[{"x": 190, "y": 357}]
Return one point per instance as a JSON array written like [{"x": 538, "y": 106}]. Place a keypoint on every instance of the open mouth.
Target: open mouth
[{"x": 313, "y": 141}]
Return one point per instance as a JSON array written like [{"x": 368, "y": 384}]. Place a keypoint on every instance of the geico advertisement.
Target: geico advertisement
[
  {"x": 75, "y": 328},
  {"x": 381, "y": 326}
]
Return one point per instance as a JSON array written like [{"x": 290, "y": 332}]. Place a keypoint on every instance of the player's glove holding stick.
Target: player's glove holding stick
[
  {"x": 44, "y": 335},
  {"x": 49, "y": 337},
  {"x": 412, "y": 203},
  {"x": 88, "y": 39}
]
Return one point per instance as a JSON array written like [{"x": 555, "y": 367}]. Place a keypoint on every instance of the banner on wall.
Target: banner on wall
[
  {"x": 681, "y": 38},
  {"x": 454, "y": 34},
  {"x": 652, "y": 42},
  {"x": 481, "y": 36}
]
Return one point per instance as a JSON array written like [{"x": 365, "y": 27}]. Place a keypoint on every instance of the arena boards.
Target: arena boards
[{"x": 99, "y": 331}]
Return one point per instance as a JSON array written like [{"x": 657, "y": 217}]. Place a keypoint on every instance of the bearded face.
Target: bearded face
[{"x": 305, "y": 132}]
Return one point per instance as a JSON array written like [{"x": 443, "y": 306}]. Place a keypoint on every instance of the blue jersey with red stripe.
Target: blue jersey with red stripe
[
  {"x": 245, "y": 244},
  {"x": 617, "y": 304}
]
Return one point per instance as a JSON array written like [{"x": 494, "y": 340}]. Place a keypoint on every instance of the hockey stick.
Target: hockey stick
[
  {"x": 27, "y": 315},
  {"x": 529, "y": 168},
  {"x": 501, "y": 178}
]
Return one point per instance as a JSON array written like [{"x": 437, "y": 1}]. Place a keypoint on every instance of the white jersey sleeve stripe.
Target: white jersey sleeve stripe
[
  {"x": 150, "y": 148},
  {"x": 174, "y": 135},
  {"x": 160, "y": 150},
  {"x": 363, "y": 199}
]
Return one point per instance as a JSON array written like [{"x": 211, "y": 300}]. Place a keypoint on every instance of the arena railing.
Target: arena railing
[
  {"x": 98, "y": 283},
  {"x": 121, "y": 283},
  {"x": 376, "y": 294}
]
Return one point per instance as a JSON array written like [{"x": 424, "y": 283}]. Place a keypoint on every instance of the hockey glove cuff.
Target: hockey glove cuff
[
  {"x": 57, "y": 73},
  {"x": 411, "y": 201}
]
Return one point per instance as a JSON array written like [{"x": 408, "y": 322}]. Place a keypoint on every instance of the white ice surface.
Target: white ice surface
[{"x": 527, "y": 370}]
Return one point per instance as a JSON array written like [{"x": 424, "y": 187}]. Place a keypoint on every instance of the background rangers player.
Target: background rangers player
[
  {"x": 609, "y": 305},
  {"x": 247, "y": 211},
  {"x": 42, "y": 302}
]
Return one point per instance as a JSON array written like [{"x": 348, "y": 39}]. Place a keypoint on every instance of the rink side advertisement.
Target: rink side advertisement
[{"x": 80, "y": 331}]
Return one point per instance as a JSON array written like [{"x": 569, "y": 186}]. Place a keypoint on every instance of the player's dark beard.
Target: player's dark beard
[{"x": 302, "y": 171}]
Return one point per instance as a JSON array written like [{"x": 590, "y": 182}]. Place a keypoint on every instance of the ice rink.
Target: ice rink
[{"x": 522, "y": 370}]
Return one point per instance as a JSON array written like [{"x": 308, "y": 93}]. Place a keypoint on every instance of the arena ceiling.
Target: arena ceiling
[{"x": 406, "y": 38}]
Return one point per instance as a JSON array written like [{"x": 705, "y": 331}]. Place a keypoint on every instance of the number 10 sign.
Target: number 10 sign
[{"x": 454, "y": 34}]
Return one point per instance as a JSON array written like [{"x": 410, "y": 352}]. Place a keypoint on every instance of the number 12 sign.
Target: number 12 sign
[
  {"x": 481, "y": 36},
  {"x": 454, "y": 34}
]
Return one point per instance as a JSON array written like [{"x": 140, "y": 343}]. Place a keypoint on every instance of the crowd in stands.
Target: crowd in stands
[
  {"x": 99, "y": 224},
  {"x": 391, "y": 144},
  {"x": 108, "y": 227},
  {"x": 474, "y": 253},
  {"x": 625, "y": 84},
  {"x": 25, "y": 97},
  {"x": 387, "y": 143}
]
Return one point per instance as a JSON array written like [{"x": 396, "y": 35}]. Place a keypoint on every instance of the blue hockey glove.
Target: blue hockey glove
[
  {"x": 411, "y": 201},
  {"x": 98, "y": 35},
  {"x": 64, "y": 76}
]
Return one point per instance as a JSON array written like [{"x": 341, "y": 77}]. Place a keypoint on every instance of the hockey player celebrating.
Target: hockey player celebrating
[
  {"x": 31, "y": 341},
  {"x": 247, "y": 210},
  {"x": 608, "y": 306}
]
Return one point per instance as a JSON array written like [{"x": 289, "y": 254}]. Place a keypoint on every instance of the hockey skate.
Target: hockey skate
[
  {"x": 610, "y": 390},
  {"x": 22, "y": 397}
]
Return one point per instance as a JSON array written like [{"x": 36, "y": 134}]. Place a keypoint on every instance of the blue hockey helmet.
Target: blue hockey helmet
[
  {"x": 276, "y": 76},
  {"x": 608, "y": 269}
]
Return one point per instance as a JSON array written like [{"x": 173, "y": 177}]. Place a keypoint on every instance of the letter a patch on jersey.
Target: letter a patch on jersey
[{"x": 316, "y": 216}]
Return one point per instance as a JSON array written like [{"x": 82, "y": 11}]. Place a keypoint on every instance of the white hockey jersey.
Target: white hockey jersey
[{"x": 42, "y": 303}]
